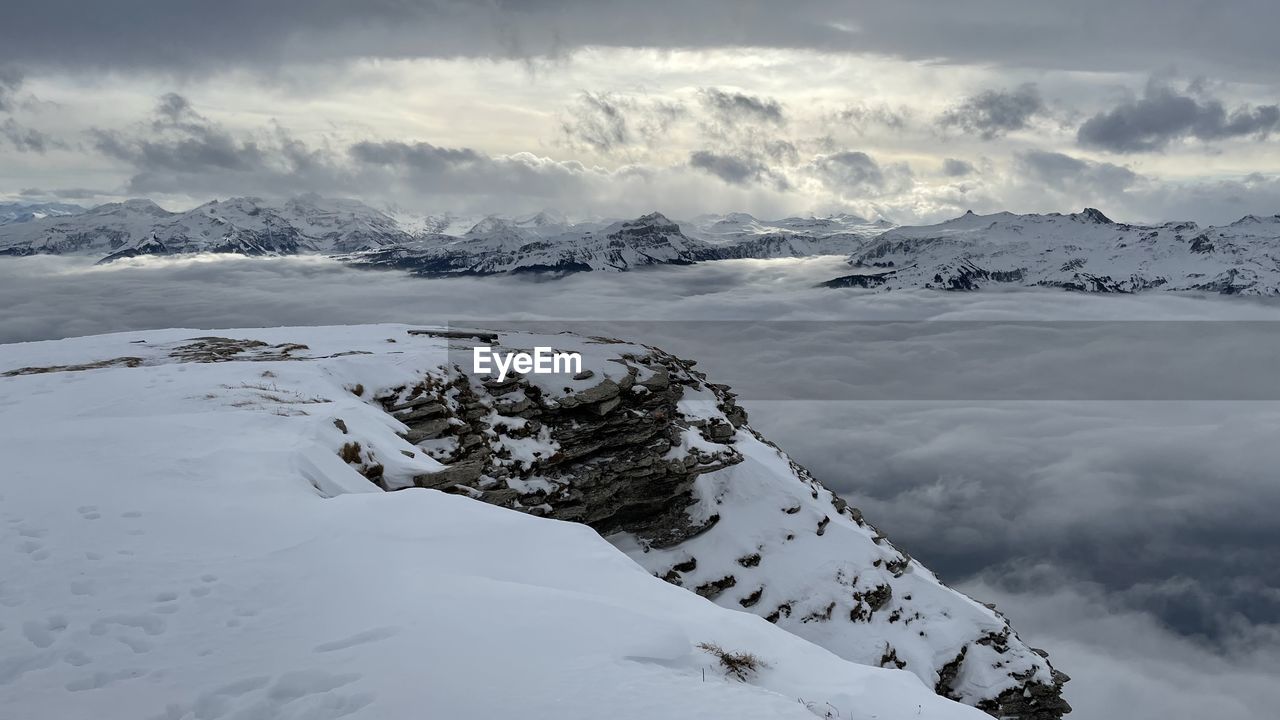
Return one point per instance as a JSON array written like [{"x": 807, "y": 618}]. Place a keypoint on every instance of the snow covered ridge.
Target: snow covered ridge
[
  {"x": 248, "y": 226},
  {"x": 442, "y": 245},
  {"x": 1084, "y": 252},
  {"x": 495, "y": 246},
  {"x": 13, "y": 212},
  {"x": 215, "y": 541}
]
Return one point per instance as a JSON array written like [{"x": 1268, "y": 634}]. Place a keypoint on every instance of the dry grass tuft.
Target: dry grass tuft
[{"x": 740, "y": 665}]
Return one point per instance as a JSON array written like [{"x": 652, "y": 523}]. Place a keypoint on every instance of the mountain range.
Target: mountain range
[
  {"x": 1085, "y": 251},
  {"x": 19, "y": 212},
  {"x": 430, "y": 245}
]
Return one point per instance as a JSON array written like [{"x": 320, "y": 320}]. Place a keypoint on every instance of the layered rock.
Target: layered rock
[{"x": 641, "y": 447}]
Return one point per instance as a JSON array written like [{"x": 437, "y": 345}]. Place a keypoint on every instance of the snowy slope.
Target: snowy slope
[
  {"x": 185, "y": 542},
  {"x": 541, "y": 244},
  {"x": 1084, "y": 251}
]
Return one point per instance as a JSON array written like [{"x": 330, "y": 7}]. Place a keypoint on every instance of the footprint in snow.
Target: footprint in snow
[
  {"x": 43, "y": 634},
  {"x": 103, "y": 679},
  {"x": 360, "y": 638}
]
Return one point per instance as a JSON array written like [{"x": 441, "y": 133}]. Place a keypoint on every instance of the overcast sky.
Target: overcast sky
[{"x": 910, "y": 110}]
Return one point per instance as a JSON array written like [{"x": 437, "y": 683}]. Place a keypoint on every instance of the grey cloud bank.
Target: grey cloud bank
[
  {"x": 196, "y": 36},
  {"x": 993, "y": 113},
  {"x": 1163, "y": 115}
]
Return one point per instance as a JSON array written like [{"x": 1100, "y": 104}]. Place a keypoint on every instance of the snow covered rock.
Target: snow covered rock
[
  {"x": 646, "y": 451},
  {"x": 1084, "y": 252},
  {"x": 189, "y": 535},
  {"x": 636, "y": 444}
]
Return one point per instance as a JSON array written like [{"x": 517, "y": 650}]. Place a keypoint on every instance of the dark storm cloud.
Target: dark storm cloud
[
  {"x": 606, "y": 122},
  {"x": 1085, "y": 35},
  {"x": 852, "y": 173},
  {"x": 993, "y": 113},
  {"x": 25, "y": 139},
  {"x": 853, "y": 169},
  {"x": 1164, "y": 115},
  {"x": 420, "y": 156},
  {"x": 951, "y": 167},
  {"x": 733, "y": 108},
  {"x": 179, "y": 139},
  {"x": 735, "y": 169},
  {"x": 1063, "y": 172},
  {"x": 864, "y": 115}
]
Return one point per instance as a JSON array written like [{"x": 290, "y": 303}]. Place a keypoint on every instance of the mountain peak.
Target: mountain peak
[
  {"x": 1095, "y": 215},
  {"x": 653, "y": 218},
  {"x": 489, "y": 225}
]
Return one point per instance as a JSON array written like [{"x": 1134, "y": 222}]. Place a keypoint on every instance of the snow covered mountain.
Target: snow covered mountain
[
  {"x": 221, "y": 544},
  {"x": 495, "y": 245},
  {"x": 248, "y": 226},
  {"x": 18, "y": 212},
  {"x": 740, "y": 235},
  {"x": 1084, "y": 251}
]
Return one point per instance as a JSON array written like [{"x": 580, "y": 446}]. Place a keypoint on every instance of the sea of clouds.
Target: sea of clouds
[{"x": 1102, "y": 467}]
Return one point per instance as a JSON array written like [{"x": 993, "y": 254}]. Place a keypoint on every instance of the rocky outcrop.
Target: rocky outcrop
[
  {"x": 644, "y": 449},
  {"x": 608, "y": 461}
]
